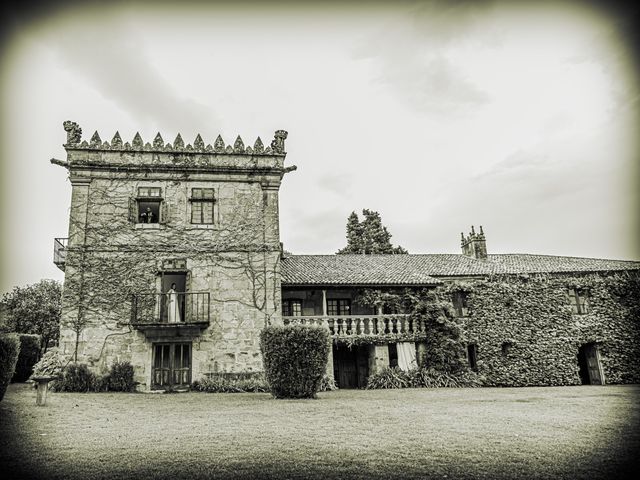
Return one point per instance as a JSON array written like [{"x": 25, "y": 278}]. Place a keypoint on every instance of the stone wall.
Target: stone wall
[
  {"x": 111, "y": 256},
  {"x": 534, "y": 317}
]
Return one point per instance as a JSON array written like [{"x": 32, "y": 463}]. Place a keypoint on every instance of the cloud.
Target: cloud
[
  {"x": 112, "y": 60},
  {"x": 412, "y": 56}
]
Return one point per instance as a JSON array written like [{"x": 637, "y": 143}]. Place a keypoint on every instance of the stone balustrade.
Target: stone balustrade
[{"x": 355, "y": 325}]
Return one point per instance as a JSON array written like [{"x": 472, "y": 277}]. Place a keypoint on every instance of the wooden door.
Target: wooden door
[
  {"x": 171, "y": 366},
  {"x": 345, "y": 367},
  {"x": 589, "y": 363},
  {"x": 593, "y": 364}
]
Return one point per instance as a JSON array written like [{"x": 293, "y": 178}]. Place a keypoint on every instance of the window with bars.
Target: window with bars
[
  {"x": 339, "y": 306},
  {"x": 579, "y": 300},
  {"x": 202, "y": 200},
  {"x": 147, "y": 206},
  {"x": 292, "y": 308},
  {"x": 460, "y": 304}
]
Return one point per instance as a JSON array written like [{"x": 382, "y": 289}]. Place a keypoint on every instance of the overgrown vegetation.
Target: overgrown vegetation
[
  {"x": 50, "y": 365},
  {"x": 422, "y": 378},
  {"x": 295, "y": 359},
  {"x": 78, "y": 377},
  {"x": 28, "y": 357},
  {"x": 9, "y": 351}
]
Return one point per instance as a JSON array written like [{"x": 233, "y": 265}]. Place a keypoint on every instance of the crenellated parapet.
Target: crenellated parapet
[{"x": 137, "y": 144}]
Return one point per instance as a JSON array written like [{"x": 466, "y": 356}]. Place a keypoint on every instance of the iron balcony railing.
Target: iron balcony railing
[
  {"x": 355, "y": 325},
  {"x": 60, "y": 252},
  {"x": 170, "y": 308}
]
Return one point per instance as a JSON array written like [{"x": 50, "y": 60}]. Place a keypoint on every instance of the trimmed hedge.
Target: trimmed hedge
[
  {"x": 9, "y": 351},
  {"x": 29, "y": 356},
  {"x": 295, "y": 359}
]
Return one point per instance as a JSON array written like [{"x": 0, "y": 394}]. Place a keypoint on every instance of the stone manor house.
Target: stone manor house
[{"x": 173, "y": 262}]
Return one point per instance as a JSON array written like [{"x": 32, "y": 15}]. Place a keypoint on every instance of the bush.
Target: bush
[
  {"x": 77, "y": 377},
  {"x": 422, "y": 378},
  {"x": 9, "y": 351},
  {"x": 29, "y": 355},
  {"x": 120, "y": 378},
  {"x": 327, "y": 384},
  {"x": 295, "y": 359},
  {"x": 232, "y": 383},
  {"x": 50, "y": 365}
]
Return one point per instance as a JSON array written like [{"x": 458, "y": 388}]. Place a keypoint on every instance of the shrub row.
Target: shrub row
[
  {"x": 232, "y": 383},
  {"x": 77, "y": 377},
  {"x": 295, "y": 359},
  {"x": 422, "y": 378},
  {"x": 9, "y": 351},
  {"x": 29, "y": 355}
]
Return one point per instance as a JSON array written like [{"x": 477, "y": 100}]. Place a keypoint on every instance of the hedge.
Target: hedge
[
  {"x": 295, "y": 359},
  {"x": 9, "y": 351},
  {"x": 29, "y": 355}
]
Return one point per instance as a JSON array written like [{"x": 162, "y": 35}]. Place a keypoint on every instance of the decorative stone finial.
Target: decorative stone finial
[
  {"x": 178, "y": 143},
  {"x": 137, "y": 142},
  {"x": 258, "y": 147},
  {"x": 158, "y": 142},
  {"x": 116, "y": 141},
  {"x": 198, "y": 144},
  {"x": 277, "y": 144},
  {"x": 96, "y": 141},
  {"x": 74, "y": 132},
  {"x": 473, "y": 232},
  {"x": 481, "y": 232},
  {"x": 219, "y": 145},
  {"x": 238, "y": 146}
]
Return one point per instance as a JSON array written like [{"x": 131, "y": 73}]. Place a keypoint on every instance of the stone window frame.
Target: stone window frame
[
  {"x": 579, "y": 299},
  {"x": 288, "y": 309},
  {"x": 201, "y": 198},
  {"x": 459, "y": 299},
  {"x": 148, "y": 194},
  {"x": 472, "y": 356}
]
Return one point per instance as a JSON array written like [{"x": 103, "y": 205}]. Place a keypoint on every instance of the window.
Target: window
[
  {"x": 148, "y": 203},
  {"x": 472, "y": 356},
  {"x": 292, "y": 308},
  {"x": 579, "y": 300},
  {"x": 506, "y": 348},
  {"x": 202, "y": 205},
  {"x": 339, "y": 307},
  {"x": 460, "y": 304}
]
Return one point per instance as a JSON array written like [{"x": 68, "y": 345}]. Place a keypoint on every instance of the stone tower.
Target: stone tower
[{"x": 172, "y": 259}]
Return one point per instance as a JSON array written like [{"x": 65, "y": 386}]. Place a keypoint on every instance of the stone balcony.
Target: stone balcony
[
  {"x": 362, "y": 325},
  {"x": 159, "y": 317}
]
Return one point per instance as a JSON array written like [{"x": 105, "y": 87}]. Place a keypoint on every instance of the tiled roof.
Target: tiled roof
[{"x": 421, "y": 269}]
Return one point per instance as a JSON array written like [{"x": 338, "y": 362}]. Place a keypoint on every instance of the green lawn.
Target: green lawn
[{"x": 553, "y": 432}]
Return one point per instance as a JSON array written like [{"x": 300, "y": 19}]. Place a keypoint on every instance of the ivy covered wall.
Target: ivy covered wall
[{"x": 526, "y": 333}]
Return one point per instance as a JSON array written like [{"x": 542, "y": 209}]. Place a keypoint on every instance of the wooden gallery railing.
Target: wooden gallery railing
[{"x": 340, "y": 326}]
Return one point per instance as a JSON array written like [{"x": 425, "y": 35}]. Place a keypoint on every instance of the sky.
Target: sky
[{"x": 520, "y": 117}]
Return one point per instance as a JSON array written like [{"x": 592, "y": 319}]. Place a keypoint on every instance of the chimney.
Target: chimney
[{"x": 474, "y": 245}]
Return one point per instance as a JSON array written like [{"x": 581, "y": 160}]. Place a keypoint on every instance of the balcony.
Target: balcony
[
  {"x": 160, "y": 315},
  {"x": 363, "y": 325},
  {"x": 60, "y": 252}
]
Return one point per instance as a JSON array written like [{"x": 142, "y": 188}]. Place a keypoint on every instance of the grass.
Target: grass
[{"x": 552, "y": 432}]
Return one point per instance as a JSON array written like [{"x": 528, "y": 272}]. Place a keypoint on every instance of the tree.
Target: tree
[
  {"x": 34, "y": 309},
  {"x": 369, "y": 235}
]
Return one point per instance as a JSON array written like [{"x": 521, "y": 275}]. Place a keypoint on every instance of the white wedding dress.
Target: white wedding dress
[{"x": 173, "y": 307}]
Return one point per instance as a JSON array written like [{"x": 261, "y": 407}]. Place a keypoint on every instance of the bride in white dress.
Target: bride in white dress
[{"x": 173, "y": 306}]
